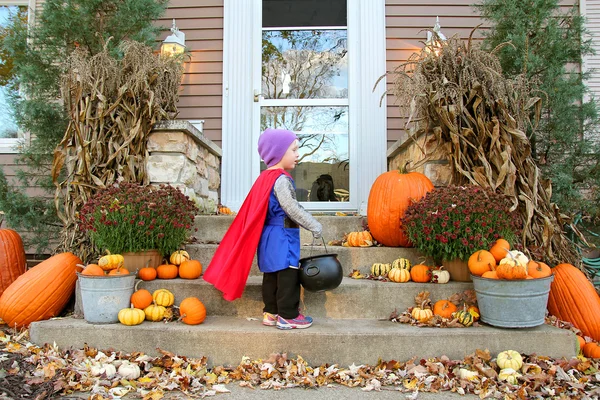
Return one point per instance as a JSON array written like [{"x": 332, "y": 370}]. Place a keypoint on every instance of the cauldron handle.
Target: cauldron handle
[{"x": 312, "y": 246}]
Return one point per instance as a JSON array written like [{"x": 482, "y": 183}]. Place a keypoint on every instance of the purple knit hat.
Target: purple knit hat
[{"x": 273, "y": 143}]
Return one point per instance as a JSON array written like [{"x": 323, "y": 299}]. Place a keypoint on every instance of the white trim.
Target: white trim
[
  {"x": 304, "y": 28},
  {"x": 10, "y": 146},
  {"x": 304, "y": 102},
  {"x": 15, "y": 3}
]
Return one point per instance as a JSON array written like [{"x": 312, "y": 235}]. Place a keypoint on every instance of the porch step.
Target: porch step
[
  {"x": 212, "y": 228},
  {"x": 354, "y": 298},
  {"x": 350, "y": 257},
  {"x": 225, "y": 340}
]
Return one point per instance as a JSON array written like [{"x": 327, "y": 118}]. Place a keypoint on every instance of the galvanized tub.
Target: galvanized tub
[
  {"x": 102, "y": 297},
  {"x": 512, "y": 303}
]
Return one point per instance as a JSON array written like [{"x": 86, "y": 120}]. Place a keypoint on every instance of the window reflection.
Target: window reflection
[
  {"x": 305, "y": 64},
  {"x": 323, "y": 171}
]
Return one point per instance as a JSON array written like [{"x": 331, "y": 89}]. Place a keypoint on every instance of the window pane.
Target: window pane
[
  {"x": 8, "y": 127},
  {"x": 285, "y": 13},
  {"x": 305, "y": 64},
  {"x": 323, "y": 172}
]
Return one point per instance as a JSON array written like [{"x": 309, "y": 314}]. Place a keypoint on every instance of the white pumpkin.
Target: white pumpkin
[
  {"x": 509, "y": 375},
  {"x": 469, "y": 375},
  {"x": 509, "y": 359},
  {"x": 440, "y": 275},
  {"x": 523, "y": 259},
  {"x": 108, "y": 370},
  {"x": 129, "y": 370}
]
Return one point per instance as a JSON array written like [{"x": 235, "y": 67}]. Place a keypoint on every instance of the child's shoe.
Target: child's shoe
[
  {"x": 269, "y": 319},
  {"x": 300, "y": 322}
]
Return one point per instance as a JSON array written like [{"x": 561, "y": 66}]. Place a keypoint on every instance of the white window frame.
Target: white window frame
[
  {"x": 12, "y": 145},
  {"x": 367, "y": 117}
]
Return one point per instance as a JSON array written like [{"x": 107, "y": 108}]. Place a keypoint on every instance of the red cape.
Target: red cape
[{"x": 229, "y": 268}]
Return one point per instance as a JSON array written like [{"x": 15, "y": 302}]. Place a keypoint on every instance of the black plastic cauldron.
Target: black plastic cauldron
[{"x": 320, "y": 273}]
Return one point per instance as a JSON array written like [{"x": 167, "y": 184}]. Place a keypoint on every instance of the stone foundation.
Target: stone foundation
[
  {"x": 180, "y": 155},
  {"x": 436, "y": 168}
]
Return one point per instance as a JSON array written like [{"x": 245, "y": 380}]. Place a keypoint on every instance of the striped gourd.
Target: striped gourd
[
  {"x": 402, "y": 263},
  {"x": 379, "y": 269}
]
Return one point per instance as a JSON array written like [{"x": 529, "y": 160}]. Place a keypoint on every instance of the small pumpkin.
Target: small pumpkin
[
  {"x": 421, "y": 315},
  {"x": 591, "y": 350},
  {"x": 444, "y": 308},
  {"x": 141, "y": 298},
  {"x": 399, "y": 275},
  {"x": 105, "y": 369},
  {"x": 93, "y": 270},
  {"x": 499, "y": 249},
  {"x": 167, "y": 271},
  {"x": 221, "y": 209},
  {"x": 131, "y": 316},
  {"x": 402, "y": 263},
  {"x": 147, "y": 274},
  {"x": 511, "y": 268},
  {"x": 440, "y": 275},
  {"x": 191, "y": 269},
  {"x": 490, "y": 275},
  {"x": 192, "y": 311},
  {"x": 379, "y": 269},
  {"x": 163, "y": 297},
  {"x": 580, "y": 344},
  {"x": 509, "y": 359},
  {"x": 155, "y": 313},
  {"x": 111, "y": 261},
  {"x": 481, "y": 262},
  {"x": 537, "y": 269},
  {"x": 119, "y": 271},
  {"x": 359, "y": 239},
  {"x": 178, "y": 257},
  {"x": 509, "y": 375},
  {"x": 420, "y": 273},
  {"x": 519, "y": 255},
  {"x": 129, "y": 370},
  {"x": 464, "y": 317}
]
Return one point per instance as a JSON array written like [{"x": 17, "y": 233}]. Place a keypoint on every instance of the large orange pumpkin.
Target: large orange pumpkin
[
  {"x": 573, "y": 299},
  {"x": 41, "y": 292},
  {"x": 12, "y": 258},
  {"x": 391, "y": 194}
]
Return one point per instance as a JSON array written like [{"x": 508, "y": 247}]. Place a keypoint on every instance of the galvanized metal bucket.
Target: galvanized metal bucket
[
  {"x": 514, "y": 303},
  {"x": 102, "y": 297}
]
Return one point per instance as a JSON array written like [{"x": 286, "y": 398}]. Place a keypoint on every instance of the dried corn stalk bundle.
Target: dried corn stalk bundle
[
  {"x": 456, "y": 93},
  {"x": 112, "y": 105}
]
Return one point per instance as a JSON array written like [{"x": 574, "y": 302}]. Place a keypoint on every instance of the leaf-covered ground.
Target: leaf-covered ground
[{"x": 29, "y": 371}]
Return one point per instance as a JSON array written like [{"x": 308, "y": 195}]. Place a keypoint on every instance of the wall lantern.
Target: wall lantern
[
  {"x": 174, "y": 43},
  {"x": 434, "y": 43}
]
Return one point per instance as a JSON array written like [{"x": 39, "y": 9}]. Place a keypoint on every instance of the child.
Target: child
[{"x": 267, "y": 223}]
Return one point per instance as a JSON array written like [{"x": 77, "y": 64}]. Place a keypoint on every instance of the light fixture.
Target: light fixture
[
  {"x": 434, "y": 42},
  {"x": 174, "y": 43}
]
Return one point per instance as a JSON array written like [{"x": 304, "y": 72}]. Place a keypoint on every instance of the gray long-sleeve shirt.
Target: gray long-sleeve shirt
[{"x": 286, "y": 195}]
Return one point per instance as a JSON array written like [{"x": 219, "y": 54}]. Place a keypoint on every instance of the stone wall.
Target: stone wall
[
  {"x": 436, "y": 168},
  {"x": 180, "y": 155}
]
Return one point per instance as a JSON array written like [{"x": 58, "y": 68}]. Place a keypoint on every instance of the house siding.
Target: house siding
[{"x": 591, "y": 10}]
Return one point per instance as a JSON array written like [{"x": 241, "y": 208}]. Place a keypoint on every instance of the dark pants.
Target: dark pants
[{"x": 281, "y": 292}]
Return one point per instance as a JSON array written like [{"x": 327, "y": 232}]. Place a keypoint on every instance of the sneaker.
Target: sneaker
[
  {"x": 300, "y": 322},
  {"x": 269, "y": 319}
]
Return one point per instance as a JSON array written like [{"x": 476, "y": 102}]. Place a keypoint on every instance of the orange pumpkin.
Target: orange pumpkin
[
  {"x": 444, "y": 308},
  {"x": 191, "y": 269},
  {"x": 591, "y": 350},
  {"x": 511, "y": 268},
  {"x": 192, "y": 311},
  {"x": 499, "y": 249},
  {"x": 167, "y": 271},
  {"x": 580, "y": 343},
  {"x": 359, "y": 239},
  {"x": 573, "y": 299},
  {"x": 420, "y": 273},
  {"x": 390, "y": 195},
  {"x": 537, "y": 269},
  {"x": 481, "y": 262},
  {"x": 119, "y": 271},
  {"x": 41, "y": 292},
  {"x": 93, "y": 270},
  {"x": 12, "y": 258},
  {"x": 147, "y": 274},
  {"x": 141, "y": 298},
  {"x": 490, "y": 275}
]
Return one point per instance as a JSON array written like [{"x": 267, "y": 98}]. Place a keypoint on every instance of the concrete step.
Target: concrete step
[
  {"x": 225, "y": 340},
  {"x": 212, "y": 228},
  {"x": 350, "y": 257},
  {"x": 354, "y": 298}
]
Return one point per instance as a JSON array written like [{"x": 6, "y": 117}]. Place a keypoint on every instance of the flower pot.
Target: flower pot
[
  {"x": 134, "y": 261},
  {"x": 458, "y": 269}
]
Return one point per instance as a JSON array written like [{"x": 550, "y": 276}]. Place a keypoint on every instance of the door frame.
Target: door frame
[{"x": 242, "y": 43}]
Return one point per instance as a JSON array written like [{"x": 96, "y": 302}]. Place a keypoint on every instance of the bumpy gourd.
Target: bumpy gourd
[
  {"x": 111, "y": 262},
  {"x": 379, "y": 269},
  {"x": 402, "y": 263}
]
